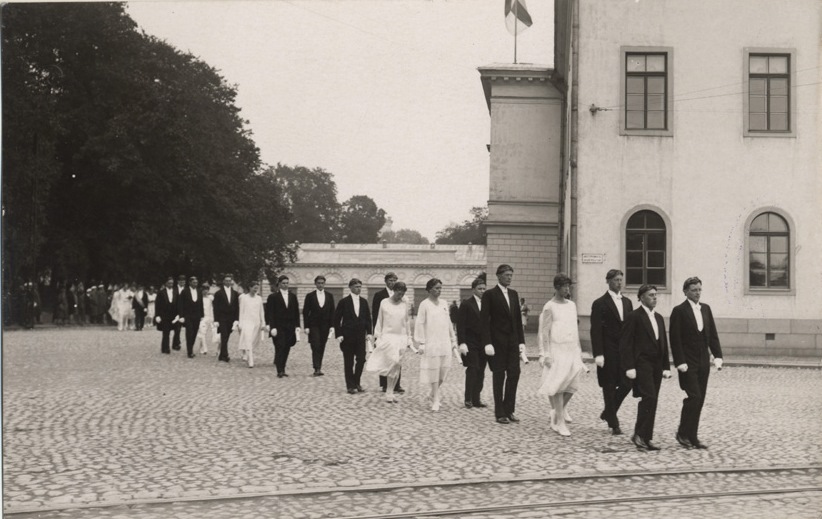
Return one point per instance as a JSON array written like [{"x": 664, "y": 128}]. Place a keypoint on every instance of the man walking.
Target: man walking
[
  {"x": 191, "y": 311},
  {"x": 166, "y": 310},
  {"x": 607, "y": 315},
  {"x": 318, "y": 320},
  {"x": 501, "y": 321},
  {"x": 693, "y": 335},
  {"x": 226, "y": 314},
  {"x": 179, "y": 289},
  {"x": 643, "y": 351},
  {"x": 469, "y": 336},
  {"x": 379, "y": 296},
  {"x": 352, "y": 326},
  {"x": 282, "y": 314},
  {"x": 139, "y": 304}
]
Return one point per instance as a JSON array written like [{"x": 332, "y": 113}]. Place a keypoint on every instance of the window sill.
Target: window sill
[
  {"x": 769, "y": 291},
  {"x": 635, "y": 288},
  {"x": 646, "y": 133},
  {"x": 778, "y": 135}
]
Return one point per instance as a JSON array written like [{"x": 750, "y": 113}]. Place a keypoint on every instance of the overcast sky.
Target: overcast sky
[{"x": 384, "y": 94}]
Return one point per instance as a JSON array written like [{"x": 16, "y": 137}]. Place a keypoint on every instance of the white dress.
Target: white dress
[
  {"x": 152, "y": 302},
  {"x": 392, "y": 336},
  {"x": 433, "y": 328},
  {"x": 252, "y": 320},
  {"x": 559, "y": 344}
]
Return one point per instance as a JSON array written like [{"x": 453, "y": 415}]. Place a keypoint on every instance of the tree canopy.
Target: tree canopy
[
  {"x": 124, "y": 157},
  {"x": 360, "y": 220},
  {"x": 469, "y": 231},
  {"x": 403, "y": 236}
]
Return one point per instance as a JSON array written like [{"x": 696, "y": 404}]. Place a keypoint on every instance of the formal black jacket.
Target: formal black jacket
[
  {"x": 637, "y": 343},
  {"x": 92, "y": 303},
  {"x": 316, "y": 316},
  {"x": 285, "y": 320},
  {"x": 226, "y": 313},
  {"x": 469, "y": 328},
  {"x": 190, "y": 309},
  {"x": 506, "y": 334},
  {"x": 687, "y": 342},
  {"x": 166, "y": 309},
  {"x": 606, "y": 329},
  {"x": 348, "y": 325},
  {"x": 375, "y": 303}
]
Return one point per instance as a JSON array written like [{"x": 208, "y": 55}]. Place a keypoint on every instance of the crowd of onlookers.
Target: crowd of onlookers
[{"x": 130, "y": 306}]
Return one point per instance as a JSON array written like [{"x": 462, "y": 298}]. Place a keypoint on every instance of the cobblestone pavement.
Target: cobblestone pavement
[{"x": 95, "y": 416}]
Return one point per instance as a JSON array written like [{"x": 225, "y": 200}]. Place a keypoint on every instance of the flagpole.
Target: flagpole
[{"x": 516, "y": 23}]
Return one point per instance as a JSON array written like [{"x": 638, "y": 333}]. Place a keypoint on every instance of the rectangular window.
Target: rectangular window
[
  {"x": 769, "y": 103},
  {"x": 646, "y": 91}
]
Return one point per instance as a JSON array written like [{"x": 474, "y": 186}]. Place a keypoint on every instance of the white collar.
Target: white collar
[
  {"x": 614, "y": 294},
  {"x": 648, "y": 310},
  {"x": 694, "y": 305}
]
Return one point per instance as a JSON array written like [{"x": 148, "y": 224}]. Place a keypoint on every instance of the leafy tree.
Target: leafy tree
[
  {"x": 360, "y": 220},
  {"x": 141, "y": 161},
  {"x": 310, "y": 195},
  {"x": 469, "y": 231},
  {"x": 403, "y": 236}
]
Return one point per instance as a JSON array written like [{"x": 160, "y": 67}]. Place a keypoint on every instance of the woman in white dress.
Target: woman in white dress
[
  {"x": 207, "y": 324},
  {"x": 436, "y": 339},
  {"x": 560, "y": 353},
  {"x": 251, "y": 322},
  {"x": 392, "y": 335},
  {"x": 152, "y": 303}
]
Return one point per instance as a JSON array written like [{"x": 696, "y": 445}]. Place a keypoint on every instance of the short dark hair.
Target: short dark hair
[
  {"x": 319, "y": 278},
  {"x": 253, "y": 283},
  {"x": 181, "y": 277},
  {"x": 504, "y": 268},
  {"x": 691, "y": 281},
  {"x": 561, "y": 280},
  {"x": 193, "y": 278},
  {"x": 390, "y": 275},
  {"x": 281, "y": 278},
  {"x": 399, "y": 286},
  {"x": 354, "y": 281},
  {"x": 645, "y": 288},
  {"x": 613, "y": 273},
  {"x": 477, "y": 282},
  {"x": 431, "y": 283}
]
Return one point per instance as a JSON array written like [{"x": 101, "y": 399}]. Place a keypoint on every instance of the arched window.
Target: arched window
[
  {"x": 645, "y": 246},
  {"x": 769, "y": 257}
]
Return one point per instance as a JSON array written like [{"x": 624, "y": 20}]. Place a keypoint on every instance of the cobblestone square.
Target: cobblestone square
[{"x": 95, "y": 417}]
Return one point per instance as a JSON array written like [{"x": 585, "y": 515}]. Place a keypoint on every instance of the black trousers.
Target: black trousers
[
  {"x": 475, "y": 363},
  {"x": 165, "y": 341},
  {"x": 139, "y": 318},
  {"x": 176, "y": 342},
  {"x": 192, "y": 327},
  {"x": 613, "y": 395},
  {"x": 225, "y": 332},
  {"x": 317, "y": 337},
  {"x": 647, "y": 383},
  {"x": 353, "y": 361},
  {"x": 695, "y": 383},
  {"x": 505, "y": 380},
  {"x": 281, "y": 351}
]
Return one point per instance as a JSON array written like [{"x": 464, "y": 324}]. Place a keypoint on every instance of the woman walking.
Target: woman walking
[
  {"x": 252, "y": 322},
  {"x": 436, "y": 339},
  {"x": 560, "y": 353},
  {"x": 392, "y": 335}
]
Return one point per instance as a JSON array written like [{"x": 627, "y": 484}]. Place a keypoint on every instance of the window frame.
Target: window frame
[
  {"x": 746, "y": 94},
  {"x": 746, "y": 274},
  {"x": 669, "y": 91},
  {"x": 662, "y": 289}
]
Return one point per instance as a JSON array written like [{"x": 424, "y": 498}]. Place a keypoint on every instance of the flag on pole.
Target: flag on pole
[{"x": 517, "y": 18}]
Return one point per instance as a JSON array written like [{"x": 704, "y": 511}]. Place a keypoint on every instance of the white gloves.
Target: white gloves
[
  {"x": 182, "y": 320},
  {"x": 463, "y": 349},
  {"x": 236, "y": 325},
  {"x": 631, "y": 373},
  {"x": 157, "y": 319},
  {"x": 306, "y": 332},
  {"x": 340, "y": 338},
  {"x": 666, "y": 373},
  {"x": 421, "y": 348},
  {"x": 330, "y": 333},
  {"x": 682, "y": 368},
  {"x": 297, "y": 332},
  {"x": 273, "y": 332},
  {"x": 599, "y": 360},
  {"x": 522, "y": 348},
  {"x": 489, "y": 350},
  {"x": 718, "y": 363}
]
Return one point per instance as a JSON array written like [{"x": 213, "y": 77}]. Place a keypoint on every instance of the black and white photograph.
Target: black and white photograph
[{"x": 359, "y": 259}]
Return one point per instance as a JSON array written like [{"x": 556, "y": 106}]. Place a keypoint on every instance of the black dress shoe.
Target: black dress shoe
[
  {"x": 175, "y": 348},
  {"x": 602, "y": 416},
  {"x": 285, "y": 374},
  {"x": 503, "y": 420},
  {"x": 685, "y": 442},
  {"x": 360, "y": 389},
  {"x": 399, "y": 390},
  {"x": 191, "y": 355},
  {"x": 280, "y": 375},
  {"x": 468, "y": 405},
  {"x": 512, "y": 418},
  {"x": 480, "y": 404},
  {"x": 382, "y": 388},
  {"x": 166, "y": 352},
  {"x": 616, "y": 431},
  {"x": 352, "y": 391},
  {"x": 639, "y": 442},
  {"x": 651, "y": 446},
  {"x": 698, "y": 444}
]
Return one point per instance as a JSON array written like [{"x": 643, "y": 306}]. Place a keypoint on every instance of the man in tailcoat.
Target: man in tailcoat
[
  {"x": 643, "y": 351},
  {"x": 501, "y": 321},
  {"x": 166, "y": 312},
  {"x": 469, "y": 336},
  {"x": 191, "y": 311},
  {"x": 379, "y": 296},
  {"x": 607, "y": 317},
  {"x": 353, "y": 327},
  {"x": 139, "y": 304},
  {"x": 282, "y": 315},
  {"x": 318, "y": 320},
  {"x": 693, "y": 336},
  {"x": 179, "y": 289},
  {"x": 226, "y": 313}
]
